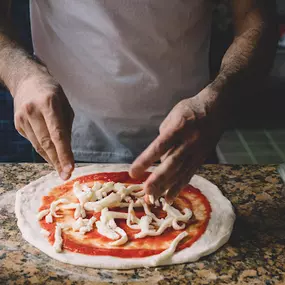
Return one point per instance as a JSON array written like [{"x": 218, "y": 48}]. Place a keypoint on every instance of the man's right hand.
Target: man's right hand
[{"x": 44, "y": 116}]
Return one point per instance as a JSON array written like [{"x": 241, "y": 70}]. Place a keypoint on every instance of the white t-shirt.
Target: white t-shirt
[{"x": 123, "y": 65}]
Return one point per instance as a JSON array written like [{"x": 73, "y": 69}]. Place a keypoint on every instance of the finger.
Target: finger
[
  {"x": 67, "y": 112},
  {"x": 188, "y": 158},
  {"x": 153, "y": 153},
  {"x": 22, "y": 133},
  {"x": 183, "y": 180},
  {"x": 166, "y": 154},
  {"x": 166, "y": 173},
  {"x": 42, "y": 135},
  {"x": 61, "y": 137},
  {"x": 174, "y": 191},
  {"x": 30, "y": 135},
  {"x": 35, "y": 143}
]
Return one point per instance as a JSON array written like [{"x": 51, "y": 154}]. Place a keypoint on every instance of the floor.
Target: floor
[{"x": 242, "y": 146}]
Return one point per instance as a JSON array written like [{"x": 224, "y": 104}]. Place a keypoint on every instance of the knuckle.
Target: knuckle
[
  {"x": 157, "y": 147},
  {"x": 29, "y": 108},
  {"x": 49, "y": 99},
  {"x": 161, "y": 177},
  {"x": 38, "y": 149},
  {"x": 46, "y": 143},
  {"x": 173, "y": 159},
  {"x": 155, "y": 180},
  {"x": 57, "y": 135}
]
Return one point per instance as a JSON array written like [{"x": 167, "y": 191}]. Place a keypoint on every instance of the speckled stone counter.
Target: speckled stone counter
[{"x": 255, "y": 253}]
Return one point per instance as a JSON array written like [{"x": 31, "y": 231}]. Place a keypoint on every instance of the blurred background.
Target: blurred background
[{"x": 257, "y": 136}]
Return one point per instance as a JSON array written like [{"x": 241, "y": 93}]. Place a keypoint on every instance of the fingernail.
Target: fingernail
[
  {"x": 67, "y": 168},
  {"x": 64, "y": 175},
  {"x": 151, "y": 199}
]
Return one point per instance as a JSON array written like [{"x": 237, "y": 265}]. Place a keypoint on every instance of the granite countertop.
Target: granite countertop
[{"x": 255, "y": 253}]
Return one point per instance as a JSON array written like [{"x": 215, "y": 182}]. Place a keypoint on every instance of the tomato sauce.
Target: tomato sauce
[{"x": 73, "y": 245}]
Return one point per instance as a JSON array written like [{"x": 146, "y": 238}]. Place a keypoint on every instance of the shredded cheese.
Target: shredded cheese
[
  {"x": 45, "y": 232},
  {"x": 42, "y": 214},
  {"x": 104, "y": 190},
  {"x": 88, "y": 227},
  {"x": 82, "y": 196},
  {"x": 122, "y": 240},
  {"x": 99, "y": 198},
  {"x": 54, "y": 208},
  {"x": 79, "y": 212},
  {"x": 149, "y": 213},
  {"x": 131, "y": 218},
  {"x": 163, "y": 256},
  {"x": 49, "y": 218},
  {"x": 106, "y": 231},
  {"x": 111, "y": 200},
  {"x": 144, "y": 225},
  {"x": 57, "y": 238}
]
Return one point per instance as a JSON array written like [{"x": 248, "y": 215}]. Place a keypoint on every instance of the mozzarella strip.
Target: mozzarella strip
[
  {"x": 136, "y": 204},
  {"x": 132, "y": 217},
  {"x": 144, "y": 224},
  {"x": 79, "y": 212},
  {"x": 112, "y": 200},
  {"x": 163, "y": 256},
  {"x": 118, "y": 187},
  {"x": 57, "y": 239},
  {"x": 149, "y": 213},
  {"x": 122, "y": 240},
  {"x": 104, "y": 190},
  {"x": 116, "y": 215},
  {"x": 49, "y": 218},
  {"x": 88, "y": 227},
  {"x": 173, "y": 212},
  {"x": 65, "y": 226},
  {"x": 106, "y": 231},
  {"x": 176, "y": 226},
  {"x": 54, "y": 208},
  {"x": 69, "y": 206},
  {"x": 128, "y": 199},
  {"x": 138, "y": 194},
  {"x": 79, "y": 223},
  {"x": 82, "y": 196},
  {"x": 96, "y": 186},
  {"x": 42, "y": 214},
  {"x": 45, "y": 232},
  {"x": 79, "y": 209},
  {"x": 85, "y": 188},
  {"x": 135, "y": 187}
]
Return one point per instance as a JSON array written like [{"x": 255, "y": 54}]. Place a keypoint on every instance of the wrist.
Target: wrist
[
  {"x": 217, "y": 104},
  {"x": 16, "y": 66}
]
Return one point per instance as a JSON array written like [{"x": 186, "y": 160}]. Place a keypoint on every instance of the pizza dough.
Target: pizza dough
[{"x": 29, "y": 199}]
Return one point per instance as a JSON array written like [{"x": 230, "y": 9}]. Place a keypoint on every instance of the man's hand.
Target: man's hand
[
  {"x": 44, "y": 116},
  {"x": 194, "y": 126},
  {"x": 187, "y": 136}
]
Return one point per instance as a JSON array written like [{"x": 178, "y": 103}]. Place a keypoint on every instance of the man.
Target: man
[{"x": 128, "y": 68}]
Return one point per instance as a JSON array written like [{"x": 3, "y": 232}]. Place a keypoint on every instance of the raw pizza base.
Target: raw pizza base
[{"x": 29, "y": 199}]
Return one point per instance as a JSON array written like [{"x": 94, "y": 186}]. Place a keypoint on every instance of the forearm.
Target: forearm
[
  {"x": 248, "y": 60},
  {"x": 15, "y": 63}
]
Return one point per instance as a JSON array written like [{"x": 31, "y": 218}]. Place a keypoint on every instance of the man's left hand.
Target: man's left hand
[{"x": 186, "y": 137}]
